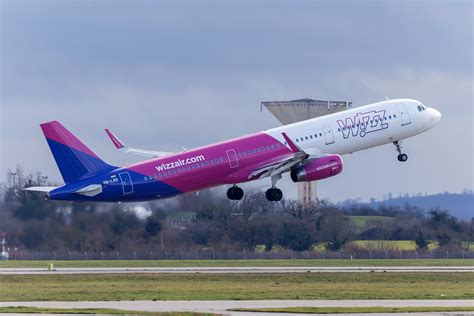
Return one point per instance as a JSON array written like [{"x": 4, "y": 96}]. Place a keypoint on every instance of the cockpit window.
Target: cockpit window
[{"x": 421, "y": 108}]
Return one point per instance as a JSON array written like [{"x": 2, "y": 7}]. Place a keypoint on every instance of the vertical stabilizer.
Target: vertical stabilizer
[{"x": 74, "y": 159}]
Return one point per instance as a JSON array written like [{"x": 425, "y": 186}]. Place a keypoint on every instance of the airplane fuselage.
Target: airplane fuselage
[{"x": 234, "y": 161}]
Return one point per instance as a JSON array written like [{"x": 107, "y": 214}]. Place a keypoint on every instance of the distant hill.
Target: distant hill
[{"x": 460, "y": 205}]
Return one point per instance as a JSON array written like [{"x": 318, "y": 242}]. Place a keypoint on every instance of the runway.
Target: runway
[
  {"x": 221, "y": 307},
  {"x": 227, "y": 270}
]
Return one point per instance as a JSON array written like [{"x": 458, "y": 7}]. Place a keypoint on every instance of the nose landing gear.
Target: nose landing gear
[{"x": 401, "y": 156}]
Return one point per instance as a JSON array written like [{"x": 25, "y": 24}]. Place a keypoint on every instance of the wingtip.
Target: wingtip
[{"x": 118, "y": 144}]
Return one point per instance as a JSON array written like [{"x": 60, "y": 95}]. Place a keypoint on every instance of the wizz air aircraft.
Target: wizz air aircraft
[{"x": 310, "y": 150}]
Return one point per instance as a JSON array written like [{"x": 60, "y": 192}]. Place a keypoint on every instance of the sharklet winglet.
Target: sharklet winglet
[{"x": 294, "y": 148}]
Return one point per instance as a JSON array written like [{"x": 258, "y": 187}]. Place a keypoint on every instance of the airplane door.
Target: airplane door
[
  {"x": 127, "y": 184},
  {"x": 233, "y": 160},
  {"x": 328, "y": 135},
  {"x": 404, "y": 115}
]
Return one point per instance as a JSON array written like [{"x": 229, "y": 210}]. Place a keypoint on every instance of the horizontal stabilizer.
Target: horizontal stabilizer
[
  {"x": 134, "y": 151},
  {"x": 90, "y": 190},
  {"x": 40, "y": 189}
]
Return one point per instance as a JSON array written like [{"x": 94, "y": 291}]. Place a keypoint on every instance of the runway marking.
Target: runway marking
[
  {"x": 222, "y": 306},
  {"x": 210, "y": 270}
]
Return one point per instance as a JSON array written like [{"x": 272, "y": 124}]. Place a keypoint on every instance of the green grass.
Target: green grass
[
  {"x": 397, "y": 245},
  {"x": 355, "y": 310},
  {"x": 469, "y": 245},
  {"x": 112, "y": 287},
  {"x": 234, "y": 263},
  {"x": 361, "y": 221},
  {"x": 103, "y": 311},
  {"x": 403, "y": 245}
]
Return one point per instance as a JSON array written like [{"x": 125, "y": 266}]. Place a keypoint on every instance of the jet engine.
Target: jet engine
[{"x": 318, "y": 169}]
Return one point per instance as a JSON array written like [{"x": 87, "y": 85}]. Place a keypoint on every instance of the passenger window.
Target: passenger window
[
  {"x": 316, "y": 135},
  {"x": 306, "y": 137},
  {"x": 311, "y": 136},
  {"x": 273, "y": 146},
  {"x": 320, "y": 134},
  {"x": 297, "y": 140},
  {"x": 254, "y": 151}
]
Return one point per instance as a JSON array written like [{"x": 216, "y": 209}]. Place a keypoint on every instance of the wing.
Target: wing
[
  {"x": 282, "y": 164},
  {"x": 134, "y": 151},
  {"x": 285, "y": 163}
]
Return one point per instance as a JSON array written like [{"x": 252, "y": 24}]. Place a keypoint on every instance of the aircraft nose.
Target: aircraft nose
[{"x": 435, "y": 116}]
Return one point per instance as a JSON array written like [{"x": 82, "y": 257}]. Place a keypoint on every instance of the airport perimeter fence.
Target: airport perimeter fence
[{"x": 236, "y": 255}]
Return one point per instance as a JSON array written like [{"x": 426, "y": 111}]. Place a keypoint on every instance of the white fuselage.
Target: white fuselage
[{"x": 360, "y": 128}]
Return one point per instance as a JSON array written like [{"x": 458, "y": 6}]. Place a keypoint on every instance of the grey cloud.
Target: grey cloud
[{"x": 165, "y": 75}]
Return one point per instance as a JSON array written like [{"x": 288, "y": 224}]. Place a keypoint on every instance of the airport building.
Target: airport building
[{"x": 288, "y": 112}]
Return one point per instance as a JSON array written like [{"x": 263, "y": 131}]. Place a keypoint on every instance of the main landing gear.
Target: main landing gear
[
  {"x": 274, "y": 194},
  {"x": 235, "y": 193},
  {"x": 401, "y": 157}
]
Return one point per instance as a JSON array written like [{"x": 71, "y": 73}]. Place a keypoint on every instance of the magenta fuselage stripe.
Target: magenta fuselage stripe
[
  {"x": 55, "y": 131},
  {"x": 223, "y": 163}
]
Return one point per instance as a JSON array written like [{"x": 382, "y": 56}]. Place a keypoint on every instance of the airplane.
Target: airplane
[{"x": 309, "y": 150}]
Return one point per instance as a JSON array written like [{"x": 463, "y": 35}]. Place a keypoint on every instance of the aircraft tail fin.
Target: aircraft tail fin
[{"x": 74, "y": 159}]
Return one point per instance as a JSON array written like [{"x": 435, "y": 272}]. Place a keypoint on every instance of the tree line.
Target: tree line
[{"x": 191, "y": 222}]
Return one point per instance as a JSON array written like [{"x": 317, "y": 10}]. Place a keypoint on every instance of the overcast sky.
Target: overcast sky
[{"x": 167, "y": 74}]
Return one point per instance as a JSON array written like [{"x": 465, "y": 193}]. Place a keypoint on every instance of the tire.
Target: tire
[
  {"x": 402, "y": 157},
  {"x": 274, "y": 195},
  {"x": 235, "y": 193}
]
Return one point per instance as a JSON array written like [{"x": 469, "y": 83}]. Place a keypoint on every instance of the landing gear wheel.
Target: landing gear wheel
[
  {"x": 235, "y": 193},
  {"x": 274, "y": 194},
  {"x": 402, "y": 157}
]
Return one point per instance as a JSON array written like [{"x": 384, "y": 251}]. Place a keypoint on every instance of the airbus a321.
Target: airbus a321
[{"x": 309, "y": 150}]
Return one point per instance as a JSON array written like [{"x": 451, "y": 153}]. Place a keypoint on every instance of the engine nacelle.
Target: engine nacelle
[{"x": 318, "y": 169}]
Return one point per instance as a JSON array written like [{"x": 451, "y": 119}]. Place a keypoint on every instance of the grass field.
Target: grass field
[
  {"x": 380, "y": 245},
  {"x": 234, "y": 263},
  {"x": 355, "y": 310},
  {"x": 403, "y": 245},
  {"x": 361, "y": 221},
  {"x": 94, "y": 311},
  {"x": 236, "y": 286}
]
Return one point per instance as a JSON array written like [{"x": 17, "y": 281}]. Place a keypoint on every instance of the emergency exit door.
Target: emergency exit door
[{"x": 404, "y": 115}]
